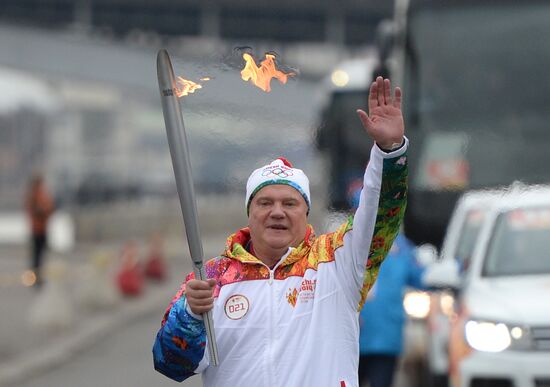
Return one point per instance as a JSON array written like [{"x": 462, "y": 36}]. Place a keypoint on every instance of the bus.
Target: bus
[{"x": 475, "y": 76}]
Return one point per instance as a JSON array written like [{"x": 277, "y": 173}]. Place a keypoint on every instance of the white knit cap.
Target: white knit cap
[{"x": 279, "y": 171}]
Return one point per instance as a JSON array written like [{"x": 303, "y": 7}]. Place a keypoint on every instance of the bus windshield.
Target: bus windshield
[{"x": 478, "y": 79}]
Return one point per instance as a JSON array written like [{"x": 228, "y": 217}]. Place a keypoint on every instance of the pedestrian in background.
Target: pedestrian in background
[
  {"x": 39, "y": 206},
  {"x": 382, "y": 317}
]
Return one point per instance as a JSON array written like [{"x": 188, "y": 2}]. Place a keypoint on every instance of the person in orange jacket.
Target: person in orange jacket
[{"x": 39, "y": 207}]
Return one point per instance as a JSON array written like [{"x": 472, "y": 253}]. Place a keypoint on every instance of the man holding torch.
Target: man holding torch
[{"x": 285, "y": 302}]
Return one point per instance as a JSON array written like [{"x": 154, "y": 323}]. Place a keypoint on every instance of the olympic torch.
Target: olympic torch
[{"x": 179, "y": 151}]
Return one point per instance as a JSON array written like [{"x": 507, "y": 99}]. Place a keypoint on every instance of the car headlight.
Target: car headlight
[
  {"x": 417, "y": 304},
  {"x": 489, "y": 336}
]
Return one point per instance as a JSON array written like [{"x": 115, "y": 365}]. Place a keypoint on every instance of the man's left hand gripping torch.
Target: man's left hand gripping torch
[{"x": 179, "y": 151}]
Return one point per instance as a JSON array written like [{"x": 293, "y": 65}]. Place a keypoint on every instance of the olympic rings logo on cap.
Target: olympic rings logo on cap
[{"x": 277, "y": 171}]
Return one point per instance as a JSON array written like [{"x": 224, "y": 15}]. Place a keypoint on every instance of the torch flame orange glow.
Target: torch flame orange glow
[
  {"x": 261, "y": 76},
  {"x": 185, "y": 87}
]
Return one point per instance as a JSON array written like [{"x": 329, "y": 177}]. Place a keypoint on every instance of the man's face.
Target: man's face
[{"x": 277, "y": 217}]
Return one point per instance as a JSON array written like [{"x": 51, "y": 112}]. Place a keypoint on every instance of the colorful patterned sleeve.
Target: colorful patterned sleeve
[
  {"x": 390, "y": 213},
  {"x": 180, "y": 343},
  {"x": 360, "y": 244}
]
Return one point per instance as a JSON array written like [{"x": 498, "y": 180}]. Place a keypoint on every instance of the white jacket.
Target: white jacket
[{"x": 295, "y": 324}]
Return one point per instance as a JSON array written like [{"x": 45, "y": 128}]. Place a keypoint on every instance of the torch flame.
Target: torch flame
[
  {"x": 185, "y": 87},
  {"x": 261, "y": 76}
]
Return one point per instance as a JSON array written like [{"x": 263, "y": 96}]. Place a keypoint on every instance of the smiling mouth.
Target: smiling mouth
[{"x": 278, "y": 227}]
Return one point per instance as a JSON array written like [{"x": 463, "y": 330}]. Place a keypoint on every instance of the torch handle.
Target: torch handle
[
  {"x": 208, "y": 322},
  {"x": 179, "y": 152}
]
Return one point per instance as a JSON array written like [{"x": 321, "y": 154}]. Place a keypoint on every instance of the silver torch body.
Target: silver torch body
[{"x": 179, "y": 151}]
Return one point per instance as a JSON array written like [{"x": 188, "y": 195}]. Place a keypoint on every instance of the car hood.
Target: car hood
[{"x": 519, "y": 299}]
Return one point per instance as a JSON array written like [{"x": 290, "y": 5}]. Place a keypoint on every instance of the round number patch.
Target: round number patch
[{"x": 236, "y": 307}]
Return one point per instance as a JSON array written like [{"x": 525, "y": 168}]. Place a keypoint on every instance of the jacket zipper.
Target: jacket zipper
[
  {"x": 271, "y": 276},
  {"x": 271, "y": 313},
  {"x": 270, "y": 366},
  {"x": 271, "y": 333}
]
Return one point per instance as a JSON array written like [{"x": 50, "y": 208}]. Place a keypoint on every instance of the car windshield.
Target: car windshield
[
  {"x": 466, "y": 89},
  {"x": 468, "y": 237},
  {"x": 519, "y": 244}
]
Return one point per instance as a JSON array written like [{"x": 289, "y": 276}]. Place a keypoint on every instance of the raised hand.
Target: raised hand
[{"x": 384, "y": 123}]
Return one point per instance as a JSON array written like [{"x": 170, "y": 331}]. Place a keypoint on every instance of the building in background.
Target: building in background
[{"x": 349, "y": 22}]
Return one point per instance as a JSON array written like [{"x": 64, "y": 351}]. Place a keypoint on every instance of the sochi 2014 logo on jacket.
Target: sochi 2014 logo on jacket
[{"x": 304, "y": 293}]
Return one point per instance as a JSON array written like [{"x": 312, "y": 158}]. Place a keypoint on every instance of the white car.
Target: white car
[
  {"x": 458, "y": 244},
  {"x": 501, "y": 334}
]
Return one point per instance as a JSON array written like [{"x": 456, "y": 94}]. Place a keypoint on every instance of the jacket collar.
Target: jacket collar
[{"x": 235, "y": 247}]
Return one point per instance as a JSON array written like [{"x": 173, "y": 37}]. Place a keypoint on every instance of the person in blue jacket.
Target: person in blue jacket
[{"x": 382, "y": 317}]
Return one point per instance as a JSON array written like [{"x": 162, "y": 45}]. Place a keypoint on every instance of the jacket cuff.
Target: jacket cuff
[
  {"x": 395, "y": 153},
  {"x": 190, "y": 312}
]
